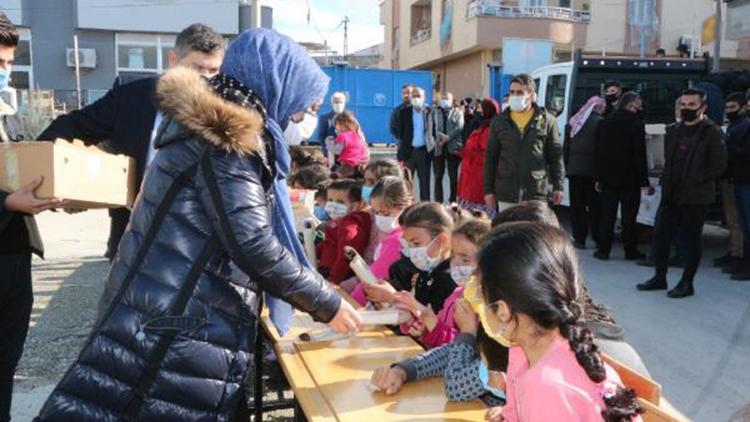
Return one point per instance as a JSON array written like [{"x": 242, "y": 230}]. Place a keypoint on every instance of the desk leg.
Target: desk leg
[{"x": 258, "y": 358}]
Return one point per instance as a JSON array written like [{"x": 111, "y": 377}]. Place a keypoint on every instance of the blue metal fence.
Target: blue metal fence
[{"x": 371, "y": 95}]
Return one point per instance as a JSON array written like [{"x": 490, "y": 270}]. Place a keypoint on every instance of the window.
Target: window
[
  {"x": 143, "y": 53},
  {"x": 23, "y": 75},
  {"x": 565, "y": 3},
  {"x": 554, "y": 96},
  {"x": 532, "y": 3}
]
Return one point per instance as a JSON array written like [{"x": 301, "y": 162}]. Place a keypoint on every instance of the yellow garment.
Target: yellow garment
[
  {"x": 471, "y": 294},
  {"x": 522, "y": 118}
]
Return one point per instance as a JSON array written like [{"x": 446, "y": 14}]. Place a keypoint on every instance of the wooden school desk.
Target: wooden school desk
[{"x": 330, "y": 379}]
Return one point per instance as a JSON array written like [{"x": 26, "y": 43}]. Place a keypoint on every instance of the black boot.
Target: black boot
[
  {"x": 655, "y": 283},
  {"x": 743, "y": 272},
  {"x": 732, "y": 266},
  {"x": 722, "y": 260},
  {"x": 601, "y": 255},
  {"x": 634, "y": 255},
  {"x": 682, "y": 289}
]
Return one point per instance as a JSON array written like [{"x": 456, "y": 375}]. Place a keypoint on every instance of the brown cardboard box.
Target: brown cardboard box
[{"x": 86, "y": 176}]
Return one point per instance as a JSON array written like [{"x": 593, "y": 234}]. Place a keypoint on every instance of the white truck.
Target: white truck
[{"x": 563, "y": 88}]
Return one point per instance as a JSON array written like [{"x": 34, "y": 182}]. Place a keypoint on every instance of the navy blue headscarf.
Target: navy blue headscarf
[{"x": 287, "y": 80}]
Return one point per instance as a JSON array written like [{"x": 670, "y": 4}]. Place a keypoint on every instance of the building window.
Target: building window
[
  {"x": 565, "y": 3},
  {"x": 143, "y": 53},
  {"x": 421, "y": 21},
  {"x": 22, "y": 76}
]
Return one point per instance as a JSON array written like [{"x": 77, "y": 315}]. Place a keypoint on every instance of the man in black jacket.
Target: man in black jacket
[
  {"x": 738, "y": 173},
  {"x": 19, "y": 238},
  {"x": 127, "y": 119},
  {"x": 694, "y": 158},
  {"x": 395, "y": 122},
  {"x": 417, "y": 140},
  {"x": 620, "y": 174}
]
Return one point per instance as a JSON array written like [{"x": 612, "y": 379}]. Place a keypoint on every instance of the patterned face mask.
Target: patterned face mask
[
  {"x": 461, "y": 274},
  {"x": 336, "y": 210}
]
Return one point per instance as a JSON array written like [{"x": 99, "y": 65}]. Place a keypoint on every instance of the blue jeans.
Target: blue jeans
[{"x": 742, "y": 198}]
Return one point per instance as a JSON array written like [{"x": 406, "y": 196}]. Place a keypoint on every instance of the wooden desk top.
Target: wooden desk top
[{"x": 341, "y": 370}]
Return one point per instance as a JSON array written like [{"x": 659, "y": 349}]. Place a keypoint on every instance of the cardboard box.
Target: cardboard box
[{"x": 86, "y": 176}]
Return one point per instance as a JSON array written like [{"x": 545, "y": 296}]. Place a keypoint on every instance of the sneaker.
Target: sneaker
[
  {"x": 732, "y": 266},
  {"x": 579, "y": 245},
  {"x": 722, "y": 260}
]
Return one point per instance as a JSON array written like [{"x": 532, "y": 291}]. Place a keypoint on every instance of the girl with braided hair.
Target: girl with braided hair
[{"x": 529, "y": 283}]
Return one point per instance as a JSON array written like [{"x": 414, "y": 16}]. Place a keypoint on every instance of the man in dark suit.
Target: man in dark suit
[
  {"x": 417, "y": 140},
  {"x": 127, "y": 119}
]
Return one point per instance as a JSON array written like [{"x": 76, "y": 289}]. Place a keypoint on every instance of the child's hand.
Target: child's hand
[
  {"x": 494, "y": 414},
  {"x": 425, "y": 314},
  {"x": 388, "y": 379},
  {"x": 380, "y": 293},
  {"x": 416, "y": 329},
  {"x": 465, "y": 318}
]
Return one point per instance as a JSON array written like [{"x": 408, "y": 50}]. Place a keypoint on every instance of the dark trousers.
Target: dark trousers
[
  {"x": 452, "y": 161},
  {"x": 119, "y": 218},
  {"x": 419, "y": 165},
  {"x": 689, "y": 219},
  {"x": 742, "y": 201},
  {"x": 585, "y": 208},
  {"x": 679, "y": 241},
  {"x": 629, "y": 200},
  {"x": 16, "y": 300}
]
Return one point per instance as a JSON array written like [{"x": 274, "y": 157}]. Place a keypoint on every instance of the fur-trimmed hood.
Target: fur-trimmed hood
[{"x": 184, "y": 95}]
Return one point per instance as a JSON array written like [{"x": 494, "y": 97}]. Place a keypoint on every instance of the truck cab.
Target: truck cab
[{"x": 563, "y": 88}]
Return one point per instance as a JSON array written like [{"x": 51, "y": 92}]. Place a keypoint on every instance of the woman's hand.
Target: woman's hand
[
  {"x": 465, "y": 318},
  {"x": 380, "y": 293},
  {"x": 346, "y": 320},
  {"x": 388, "y": 379}
]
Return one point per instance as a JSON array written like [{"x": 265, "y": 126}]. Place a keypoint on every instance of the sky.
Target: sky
[{"x": 290, "y": 17}]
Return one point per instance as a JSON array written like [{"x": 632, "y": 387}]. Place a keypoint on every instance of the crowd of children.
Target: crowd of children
[{"x": 503, "y": 312}]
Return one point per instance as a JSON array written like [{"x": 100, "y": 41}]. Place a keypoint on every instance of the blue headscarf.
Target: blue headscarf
[{"x": 287, "y": 80}]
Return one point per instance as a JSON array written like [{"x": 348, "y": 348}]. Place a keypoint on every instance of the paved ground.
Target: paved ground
[{"x": 697, "y": 348}]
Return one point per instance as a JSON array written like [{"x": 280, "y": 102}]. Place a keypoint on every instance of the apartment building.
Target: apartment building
[
  {"x": 127, "y": 38},
  {"x": 462, "y": 41}
]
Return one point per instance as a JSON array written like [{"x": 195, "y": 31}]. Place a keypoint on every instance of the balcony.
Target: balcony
[
  {"x": 421, "y": 36},
  {"x": 484, "y": 8}
]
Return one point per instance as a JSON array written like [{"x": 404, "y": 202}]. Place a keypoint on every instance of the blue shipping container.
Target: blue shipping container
[{"x": 371, "y": 95}]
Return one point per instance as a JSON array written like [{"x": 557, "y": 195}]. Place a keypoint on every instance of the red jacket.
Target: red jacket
[
  {"x": 470, "y": 181},
  {"x": 351, "y": 230}
]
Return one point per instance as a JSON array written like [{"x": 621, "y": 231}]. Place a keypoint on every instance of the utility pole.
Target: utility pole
[
  {"x": 346, "y": 37},
  {"x": 79, "y": 100},
  {"x": 717, "y": 37}
]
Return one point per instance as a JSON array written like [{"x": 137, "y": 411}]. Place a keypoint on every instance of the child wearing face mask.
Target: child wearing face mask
[
  {"x": 390, "y": 196},
  {"x": 531, "y": 294},
  {"x": 349, "y": 145},
  {"x": 425, "y": 246},
  {"x": 439, "y": 327},
  {"x": 349, "y": 225},
  {"x": 467, "y": 376}
]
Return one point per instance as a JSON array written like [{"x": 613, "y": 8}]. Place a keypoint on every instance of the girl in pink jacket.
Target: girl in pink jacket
[
  {"x": 441, "y": 328},
  {"x": 349, "y": 145},
  {"x": 389, "y": 197},
  {"x": 531, "y": 290}
]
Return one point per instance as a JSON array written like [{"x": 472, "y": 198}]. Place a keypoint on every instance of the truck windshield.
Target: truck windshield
[{"x": 659, "y": 91}]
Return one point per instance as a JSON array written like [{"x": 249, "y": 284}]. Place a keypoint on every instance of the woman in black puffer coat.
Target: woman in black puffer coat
[{"x": 175, "y": 341}]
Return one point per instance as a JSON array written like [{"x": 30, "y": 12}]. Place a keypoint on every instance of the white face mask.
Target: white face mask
[
  {"x": 445, "y": 103},
  {"x": 518, "y": 102},
  {"x": 461, "y": 274},
  {"x": 419, "y": 256},
  {"x": 336, "y": 210},
  {"x": 386, "y": 224},
  {"x": 417, "y": 102},
  {"x": 338, "y": 108},
  {"x": 295, "y": 133}
]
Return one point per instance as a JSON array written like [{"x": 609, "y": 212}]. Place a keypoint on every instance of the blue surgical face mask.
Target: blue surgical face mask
[
  {"x": 4, "y": 78},
  {"x": 366, "y": 193},
  {"x": 484, "y": 376},
  {"x": 320, "y": 212}
]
